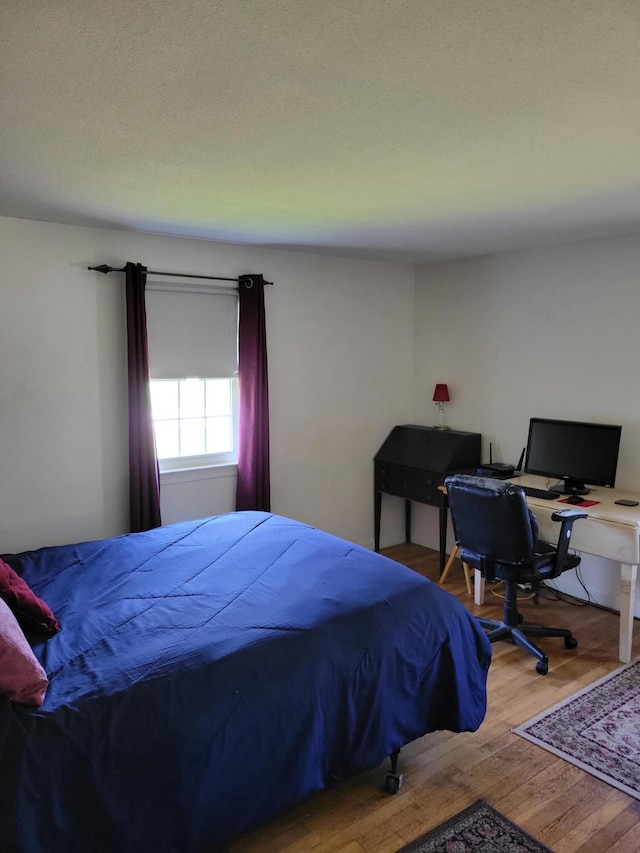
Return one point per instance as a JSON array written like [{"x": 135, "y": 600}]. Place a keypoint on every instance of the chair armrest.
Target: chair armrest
[
  {"x": 567, "y": 518},
  {"x": 571, "y": 514}
]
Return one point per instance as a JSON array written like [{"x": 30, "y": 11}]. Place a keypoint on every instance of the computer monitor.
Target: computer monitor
[{"x": 572, "y": 451}]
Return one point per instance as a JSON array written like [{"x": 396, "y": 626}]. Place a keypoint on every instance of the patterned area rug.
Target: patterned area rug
[
  {"x": 597, "y": 729},
  {"x": 478, "y": 829}
]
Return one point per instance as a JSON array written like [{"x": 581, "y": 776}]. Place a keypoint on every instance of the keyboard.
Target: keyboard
[{"x": 540, "y": 493}]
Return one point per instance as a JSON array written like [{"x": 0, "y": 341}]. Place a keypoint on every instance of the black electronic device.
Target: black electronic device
[
  {"x": 496, "y": 469},
  {"x": 576, "y": 452},
  {"x": 575, "y": 499},
  {"x": 544, "y": 494},
  {"x": 500, "y": 469},
  {"x": 624, "y": 502}
]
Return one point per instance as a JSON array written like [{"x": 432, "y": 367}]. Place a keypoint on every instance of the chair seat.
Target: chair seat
[{"x": 542, "y": 567}]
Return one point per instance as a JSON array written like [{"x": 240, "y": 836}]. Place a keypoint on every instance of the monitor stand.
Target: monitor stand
[{"x": 571, "y": 487}]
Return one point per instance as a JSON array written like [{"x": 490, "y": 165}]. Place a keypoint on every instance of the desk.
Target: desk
[
  {"x": 413, "y": 462},
  {"x": 610, "y": 531}
]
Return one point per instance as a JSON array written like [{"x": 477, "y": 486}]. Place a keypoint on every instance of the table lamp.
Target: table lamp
[{"x": 441, "y": 396}]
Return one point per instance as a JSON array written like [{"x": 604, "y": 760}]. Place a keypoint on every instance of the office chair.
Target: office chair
[{"x": 498, "y": 534}]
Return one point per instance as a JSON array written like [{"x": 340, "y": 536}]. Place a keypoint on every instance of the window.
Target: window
[
  {"x": 195, "y": 421},
  {"x": 193, "y": 362}
]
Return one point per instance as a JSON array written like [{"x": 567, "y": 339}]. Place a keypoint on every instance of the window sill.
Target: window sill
[{"x": 201, "y": 472}]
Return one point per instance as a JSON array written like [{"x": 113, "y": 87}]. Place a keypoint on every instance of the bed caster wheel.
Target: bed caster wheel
[
  {"x": 393, "y": 782},
  {"x": 570, "y": 642},
  {"x": 542, "y": 667}
]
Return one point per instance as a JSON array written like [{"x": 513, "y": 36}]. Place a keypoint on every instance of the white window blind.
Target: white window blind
[{"x": 192, "y": 331}]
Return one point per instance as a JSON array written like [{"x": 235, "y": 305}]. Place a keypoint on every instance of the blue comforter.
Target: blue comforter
[{"x": 209, "y": 674}]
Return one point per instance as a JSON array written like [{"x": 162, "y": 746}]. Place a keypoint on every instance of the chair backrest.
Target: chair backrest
[{"x": 491, "y": 520}]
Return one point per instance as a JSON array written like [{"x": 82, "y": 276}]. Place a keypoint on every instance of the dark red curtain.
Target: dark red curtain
[
  {"x": 253, "y": 489},
  {"x": 144, "y": 476}
]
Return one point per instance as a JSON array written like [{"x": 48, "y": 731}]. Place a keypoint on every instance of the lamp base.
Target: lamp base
[{"x": 440, "y": 426}]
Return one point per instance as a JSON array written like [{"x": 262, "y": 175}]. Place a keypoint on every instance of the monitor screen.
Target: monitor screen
[{"x": 576, "y": 453}]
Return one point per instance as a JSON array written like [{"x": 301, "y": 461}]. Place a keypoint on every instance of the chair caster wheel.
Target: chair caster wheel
[
  {"x": 570, "y": 643},
  {"x": 393, "y": 782},
  {"x": 542, "y": 667}
]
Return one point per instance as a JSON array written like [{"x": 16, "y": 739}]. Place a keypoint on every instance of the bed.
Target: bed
[{"x": 210, "y": 674}]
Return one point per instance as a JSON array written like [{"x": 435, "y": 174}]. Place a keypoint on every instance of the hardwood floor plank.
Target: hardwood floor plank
[{"x": 612, "y": 833}]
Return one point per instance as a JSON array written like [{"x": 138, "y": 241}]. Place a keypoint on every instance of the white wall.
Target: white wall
[
  {"x": 549, "y": 333},
  {"x": 339, "y": 337}
]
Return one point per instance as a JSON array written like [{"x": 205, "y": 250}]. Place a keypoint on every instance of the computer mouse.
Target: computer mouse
[{"x": 575, "y": 499}]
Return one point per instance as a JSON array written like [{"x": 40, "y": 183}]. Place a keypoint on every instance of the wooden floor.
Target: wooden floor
[{"x": 557, "y": 803}]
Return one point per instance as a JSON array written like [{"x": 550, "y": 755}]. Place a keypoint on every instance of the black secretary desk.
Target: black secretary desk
[{"x": 413, "y": 462}]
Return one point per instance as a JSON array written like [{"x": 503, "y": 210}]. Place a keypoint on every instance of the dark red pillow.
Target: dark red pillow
[
  {"x": 34, "y": 616},
  {"x": 22, "y": 677}
]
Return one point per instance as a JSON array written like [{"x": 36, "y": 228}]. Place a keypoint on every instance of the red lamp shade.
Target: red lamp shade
[{"x": 441, "y": 394}]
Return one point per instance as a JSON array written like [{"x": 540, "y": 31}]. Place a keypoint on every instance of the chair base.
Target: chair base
[{"x": 519, "y": 634}]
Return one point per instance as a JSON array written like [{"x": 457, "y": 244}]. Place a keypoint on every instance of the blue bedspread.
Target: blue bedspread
[{"x": 209, "y": 674}]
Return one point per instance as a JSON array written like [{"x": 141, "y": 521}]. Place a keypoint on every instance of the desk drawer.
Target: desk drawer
[{"x": 410, "y": 483}]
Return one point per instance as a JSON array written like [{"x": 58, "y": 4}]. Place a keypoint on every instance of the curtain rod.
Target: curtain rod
[{"x": 104, "y": 268}]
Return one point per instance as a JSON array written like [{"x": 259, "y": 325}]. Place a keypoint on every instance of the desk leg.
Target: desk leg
[
  {"x": 443, "y": 514},
  {"x": 628, "y": 575},
  {"x": 407, "y": 521},
  {"x": 478, "y": 587}
]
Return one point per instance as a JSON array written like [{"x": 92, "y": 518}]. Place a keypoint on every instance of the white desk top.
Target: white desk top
[{"x": 611, "y": 531}]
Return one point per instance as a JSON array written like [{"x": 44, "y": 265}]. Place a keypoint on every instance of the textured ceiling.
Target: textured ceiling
[{"x": 412, "y": 130}]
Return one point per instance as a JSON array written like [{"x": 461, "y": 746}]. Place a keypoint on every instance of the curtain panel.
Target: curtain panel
[
  {"x": 253, "y": 487},
  {"x": 144, "y": 475}
]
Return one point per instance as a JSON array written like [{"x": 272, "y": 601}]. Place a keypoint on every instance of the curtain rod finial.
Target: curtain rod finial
[{"x": 102, "y": 268}]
